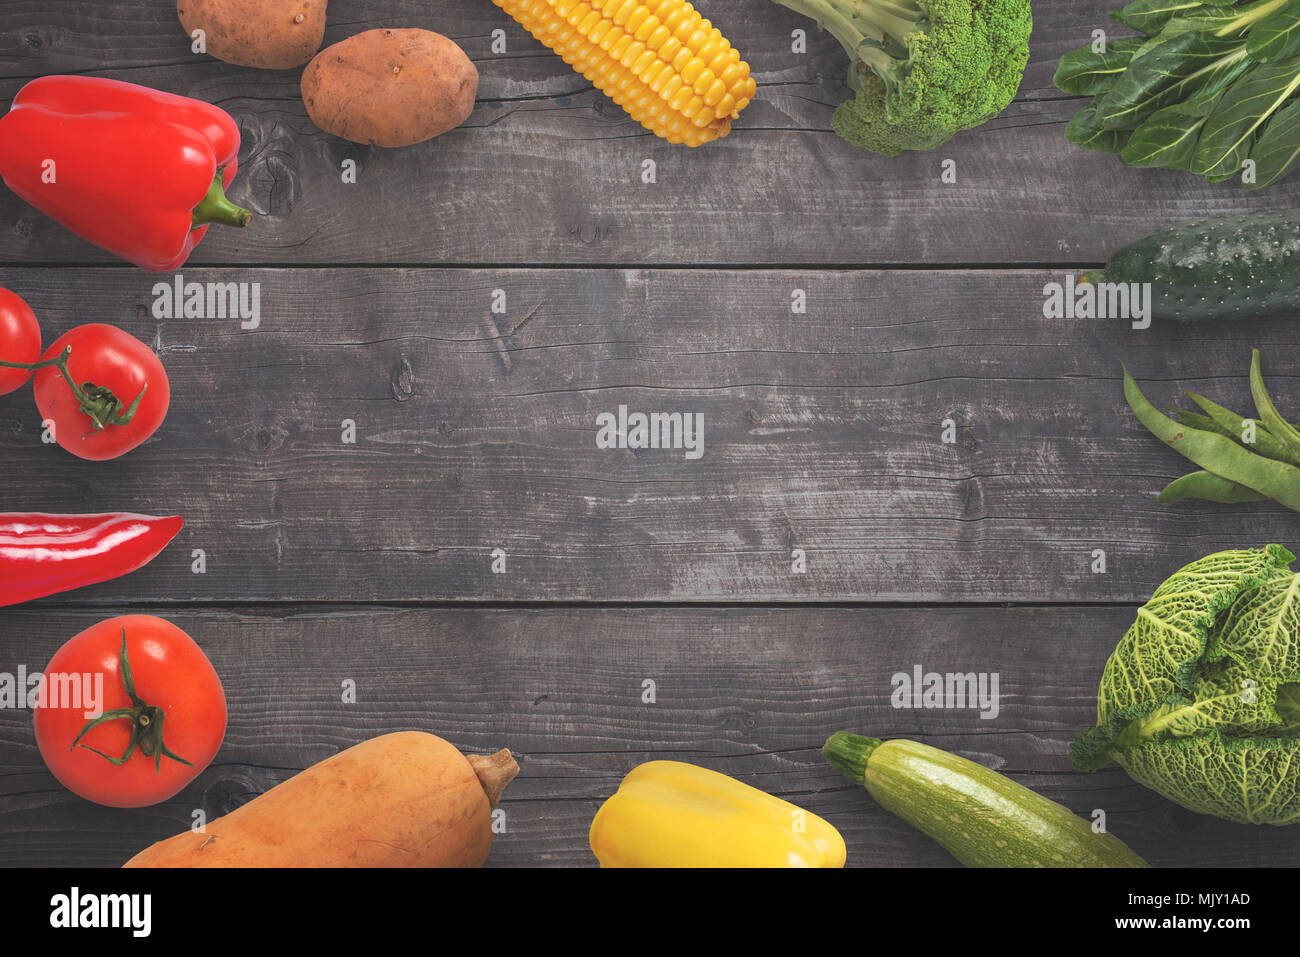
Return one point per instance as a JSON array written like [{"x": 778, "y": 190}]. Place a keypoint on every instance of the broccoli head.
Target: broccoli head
[{"x": 923, "y": 69}]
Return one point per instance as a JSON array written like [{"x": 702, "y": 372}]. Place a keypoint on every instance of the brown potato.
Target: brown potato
[
  {"x": 390, "y": 87},
  {"x": 270, "y": 34}
]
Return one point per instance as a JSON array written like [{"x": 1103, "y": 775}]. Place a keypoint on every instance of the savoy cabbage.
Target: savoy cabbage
[{"x": 1200, "y": 701}]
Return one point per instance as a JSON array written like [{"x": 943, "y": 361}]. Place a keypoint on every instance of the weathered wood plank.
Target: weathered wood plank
[
  {"x": 823, "y": 432},
  {"x": 549, "y": 171},
  {"x": 751, "y": 692}
]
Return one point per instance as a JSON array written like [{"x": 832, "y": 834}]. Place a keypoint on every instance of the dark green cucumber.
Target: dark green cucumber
[
  {"x": 981, "y": 817},
  {"x": 1241, "y": 266}
]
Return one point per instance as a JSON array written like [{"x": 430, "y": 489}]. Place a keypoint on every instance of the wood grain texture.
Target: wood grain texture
[
  {"x": 547, "y": 170},
  {"x": 823, "y": 432},
  {"x": 476, "y": 431},
  {"x": 750, "y": 692}
]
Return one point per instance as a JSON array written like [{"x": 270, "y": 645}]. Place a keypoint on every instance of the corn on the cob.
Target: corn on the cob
[{"x": 671, "y": 69}]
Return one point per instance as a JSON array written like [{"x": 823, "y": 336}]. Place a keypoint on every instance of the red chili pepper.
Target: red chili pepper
[
  {"x": 44, "y": 554},
  {"x": 133, "y": 170}
]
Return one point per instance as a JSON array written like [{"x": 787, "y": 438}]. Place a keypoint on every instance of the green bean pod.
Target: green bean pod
[
  {"x": 1284, "y": 430},
  {"x": 1202, "y": 422},
  {"x": 1217, "y": 453},
  {"x": 1210, "y": 488},
  {"x": 1230, "y": 424}
]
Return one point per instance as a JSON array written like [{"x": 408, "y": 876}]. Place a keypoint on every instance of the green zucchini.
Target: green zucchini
[
  {"x": 981, "y": 817},
  {"x": 1241, "y": 266}
]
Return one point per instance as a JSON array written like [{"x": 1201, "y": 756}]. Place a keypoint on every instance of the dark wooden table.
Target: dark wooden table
[{"x": 475, "y": 431}]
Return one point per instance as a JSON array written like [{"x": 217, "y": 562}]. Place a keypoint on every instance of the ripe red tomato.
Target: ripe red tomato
[
  {"x": 20, "y": 340},
  {"x": 177, "y": 693},
  {"x": 103, "y": 357}
]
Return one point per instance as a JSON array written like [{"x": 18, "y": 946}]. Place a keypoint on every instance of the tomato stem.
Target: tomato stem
[
  {"x": 146, "y": 723},
  {"x": 98, "y": 403}
]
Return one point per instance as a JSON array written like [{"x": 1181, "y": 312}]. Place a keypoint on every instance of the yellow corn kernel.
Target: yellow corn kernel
[
  {"x": 671, "y": 69},
  {"x": 670, "y": 814}
]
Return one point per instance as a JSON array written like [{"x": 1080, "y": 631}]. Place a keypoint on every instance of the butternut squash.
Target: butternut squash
[{"x": 407, "y": 799}]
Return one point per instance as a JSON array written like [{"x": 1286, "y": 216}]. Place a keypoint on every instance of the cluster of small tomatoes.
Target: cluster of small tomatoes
[{"x": 100, "y": 391}]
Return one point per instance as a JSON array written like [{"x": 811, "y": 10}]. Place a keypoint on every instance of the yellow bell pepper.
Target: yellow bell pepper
[{"x": 671, "y": 814}]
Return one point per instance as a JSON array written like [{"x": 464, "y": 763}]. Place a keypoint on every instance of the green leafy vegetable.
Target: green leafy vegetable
[
  {"x": 923, "y": 69},
  {"x": 1207, "y": 88},
  {"x": 1278, "y": 149},
  {"x": 1229, "y": 133},
  {"x": 1167, "y": 140},
  {"x": 1200, "y": 701},
  {"x": 1167, "y": 74},
  {"x": 1148, "y": 16},
  {"x": 1087, "y": 73},
  {"x": 1084, "y": 130},
  {"x": 1277, "y": 36}
]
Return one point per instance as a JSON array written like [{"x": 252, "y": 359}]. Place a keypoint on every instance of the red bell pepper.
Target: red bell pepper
[
  {"x": 44, "y": 554},
  {"x": 135, "y": 171}
]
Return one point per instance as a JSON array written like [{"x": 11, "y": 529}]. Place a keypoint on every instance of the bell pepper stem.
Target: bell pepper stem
[{"x": 216, "y": 208}]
